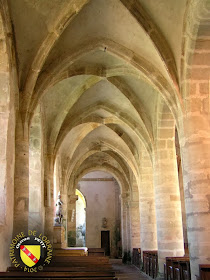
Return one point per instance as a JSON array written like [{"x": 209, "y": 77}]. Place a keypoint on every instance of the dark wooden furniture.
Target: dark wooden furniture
[
  {"x": 71, "y": 267},
  {"x": 59, "y": 275},
  {"x": 136, "y": 257},
  {"x": 177, "y": 268},
  {"x": 204, "y": 272},
  {"x": 96, "y": 252},
  {"x": 78, "y": 260},
  {"x": 150, "y": 263}
]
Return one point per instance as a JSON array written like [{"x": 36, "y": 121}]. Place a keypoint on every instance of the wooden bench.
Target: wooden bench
[
  {"x": 96, "y": 252},
  {"x": 136, "y": 257},
  {"x": 60, "y": 274},
  {"x": 68, "y": 269},
  {"x": 204, "y": 272},
  {"x": 79, "y": 261},
  {"x": 54, "y": 277},
  {"x": 177, "y": 268},
  {"x": 96, "y": 268},
  {"x": 145, "y": 262},
  {"x": 150, "y": 263},
  {"x": 70, "y": 252},
  {"x": 83, "y": 259}
]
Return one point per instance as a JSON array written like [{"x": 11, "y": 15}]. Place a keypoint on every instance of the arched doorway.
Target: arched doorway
[
  {"x": 103, "y": 211},
  {"x": 80, "y": 219}
]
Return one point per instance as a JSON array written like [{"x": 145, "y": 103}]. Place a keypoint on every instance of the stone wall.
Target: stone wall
[
  {"x": 101, "y": 203},
  {"x": 8, "y": 88}
]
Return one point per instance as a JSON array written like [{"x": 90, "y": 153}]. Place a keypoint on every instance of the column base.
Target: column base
[
  {"x": 160, "y": 276},
  {"x": 59, "y": 237}
]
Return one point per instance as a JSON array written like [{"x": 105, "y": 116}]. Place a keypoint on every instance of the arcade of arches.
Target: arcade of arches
[{"x": 118, "y": 87}]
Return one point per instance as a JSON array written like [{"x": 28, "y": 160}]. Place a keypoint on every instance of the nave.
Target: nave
[
  {"x": 127, "y": 272},
  {"x": 105, "y": 129},
  {"x": 115, "y": 270}
]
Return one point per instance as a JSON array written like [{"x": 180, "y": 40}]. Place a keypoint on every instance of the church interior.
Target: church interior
[{"x": 105, "y": 130}]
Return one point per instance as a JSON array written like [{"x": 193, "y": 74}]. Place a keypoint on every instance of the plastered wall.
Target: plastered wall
[{"x": 102, "y": 202}]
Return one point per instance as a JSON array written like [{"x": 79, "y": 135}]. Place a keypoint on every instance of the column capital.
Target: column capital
[
  {"x": 72, "y": 198},
  {"x": 125, "y": 196}
]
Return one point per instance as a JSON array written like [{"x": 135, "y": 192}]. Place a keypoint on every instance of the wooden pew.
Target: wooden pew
[
  {"x": 79, "y": 261},
  {"x": 150, "y": 263},
  {"x": 63, "y": 275},
  {"x": 68, "y": 269},
  {"x": 96, "y": 268},
  {"x": 59, "y": 275},
  {"x": 145, "y": 261},
  {"x": 83, "y": 259},
  {"x": 177, "y": 268},
  {"x": 184, "y": 266},
  {"x": 204, "y": 272},
  {"x": 136, "y": 257},
  {"x": 154, "y": 264},
  {"x": 70, "y": 252},
  {"x": 96, "y": 252},
  {"x": 55, "y": 277}
]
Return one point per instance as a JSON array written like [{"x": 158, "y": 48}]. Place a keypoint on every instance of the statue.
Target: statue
[
  {"x": 58, "y": 213},
  {"x": 104, "y": 222}
]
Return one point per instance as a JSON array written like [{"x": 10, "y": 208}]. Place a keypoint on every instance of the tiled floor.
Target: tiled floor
[{"x": 127, "y": 272}]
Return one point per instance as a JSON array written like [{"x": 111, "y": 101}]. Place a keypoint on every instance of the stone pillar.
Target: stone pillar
[
  {"x": 49, "y": 197},
  {"x": 194, "y": 135},
  {"x": 134, "y": 224},
  {"x": 125, "y": 224},
  {"x": 181, "y": 188},
  {"x": 21, "y": 178},
  {"x": 195, "y": 152},
  {"x": 148, "y": 228},
  {"x": 36, "y": 213},
  {"x": 71, "y": 220},
  {"x": 167, "y": 195}
]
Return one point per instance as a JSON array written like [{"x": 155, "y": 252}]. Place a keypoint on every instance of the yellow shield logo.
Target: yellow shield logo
[{"x": 30, "y": 254}]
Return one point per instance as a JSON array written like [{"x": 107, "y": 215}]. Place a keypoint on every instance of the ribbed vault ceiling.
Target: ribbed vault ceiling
[{"x": 98, "y": 68}]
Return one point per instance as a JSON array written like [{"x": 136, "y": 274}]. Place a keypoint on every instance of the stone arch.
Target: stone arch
[
  {"x": 80, "y": 210},
  {"x": 148, "y": 71},
  {"x": 8, "y": 101},
  {"x": 137, "y": 104},
  {"x": 78, "y": 192},
  {"x": 86, "y": 130},
  {"x": 125, "y": 198},
  {"x": 196, "y": 12},
  {"x": 107, "y": 168},
  {"x": 107, "y": 193},
  {"x": 76, "y": 94},
  {"x": 127, "y": 139},
  {"x": 75, "y": 166},
  {"x": 88, "y": 116},
  {"x": 132, "y": 164},
  {"x": 102, "y": 146},
  {"x": 156, "y": 36},
  {"x": 67, "y": 14},
  {"x": 123, "y": 88}
]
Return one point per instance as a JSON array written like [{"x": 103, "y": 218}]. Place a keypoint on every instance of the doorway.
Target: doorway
[{"x": 105, "y": 242}]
